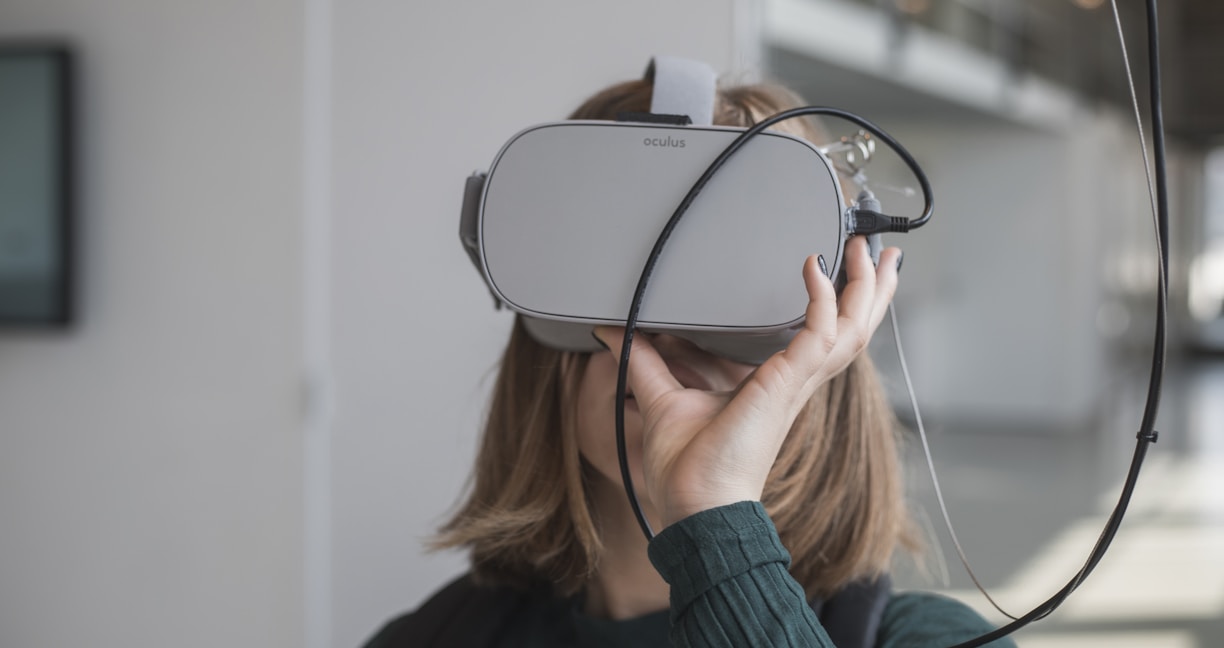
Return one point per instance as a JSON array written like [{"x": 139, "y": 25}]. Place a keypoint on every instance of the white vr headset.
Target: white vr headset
[{"x": 563, "y": 221}]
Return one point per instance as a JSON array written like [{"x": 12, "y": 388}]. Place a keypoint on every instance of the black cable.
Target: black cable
[
  {"x": 1147, "y": 433},
  {"x": 1162, "y": 210},
  {"x": 864, "y": 223}
]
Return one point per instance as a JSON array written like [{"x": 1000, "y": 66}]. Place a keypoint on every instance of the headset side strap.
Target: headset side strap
[
  {"x": 472, "y": 190},
  {"x": 469, "y": 219}
]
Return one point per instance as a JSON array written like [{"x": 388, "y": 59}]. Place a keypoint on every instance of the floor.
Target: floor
[{"x": 1029, "y": 505}]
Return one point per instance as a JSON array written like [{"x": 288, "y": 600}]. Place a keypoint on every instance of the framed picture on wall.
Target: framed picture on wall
[{"x": 36, "y": 184}]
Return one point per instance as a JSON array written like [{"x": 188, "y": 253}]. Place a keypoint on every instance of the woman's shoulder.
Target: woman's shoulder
[
  {"x": 461, "y": 613},
  {"x": 925, "y": 619}
]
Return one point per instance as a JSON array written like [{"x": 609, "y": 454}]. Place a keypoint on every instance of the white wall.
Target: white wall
[
  {"x": 1008, "y": 292},
  {"x": 166, "y": 473},
  {"x": 424, "y": 95},
  {"x": 1002, "y": 290},
  {"x": 150, "y": 458}
]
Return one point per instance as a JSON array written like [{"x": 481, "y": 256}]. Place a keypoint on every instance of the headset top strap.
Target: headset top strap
[{"x": 682, "y": 87}]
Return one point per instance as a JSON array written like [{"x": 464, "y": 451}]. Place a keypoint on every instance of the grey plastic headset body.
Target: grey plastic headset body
[{"x": 563, "y": 221}]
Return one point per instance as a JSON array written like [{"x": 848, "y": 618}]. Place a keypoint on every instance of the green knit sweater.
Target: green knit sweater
[{"x": 729, "y": 588}]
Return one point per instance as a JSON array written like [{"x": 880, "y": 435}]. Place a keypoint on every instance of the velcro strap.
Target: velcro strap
[{"x": 682, "y": 87}]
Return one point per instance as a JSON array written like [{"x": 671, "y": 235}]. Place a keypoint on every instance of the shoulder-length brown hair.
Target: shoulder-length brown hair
[{"x": 835, "y": 492}]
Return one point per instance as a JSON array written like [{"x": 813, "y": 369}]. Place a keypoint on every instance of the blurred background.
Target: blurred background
[{"x": 278, "y": 355}]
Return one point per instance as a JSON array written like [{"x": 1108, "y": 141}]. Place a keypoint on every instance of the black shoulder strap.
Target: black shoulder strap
[
  {"x": 446, "y": 619},
  {"x": 852, "y": 616}
]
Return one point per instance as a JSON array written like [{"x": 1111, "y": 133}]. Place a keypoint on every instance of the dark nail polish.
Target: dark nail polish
[
  {"x": 824, "y": 268},
  {"x": 900, "y": 260},
  {"x": 601, "y": 342}
]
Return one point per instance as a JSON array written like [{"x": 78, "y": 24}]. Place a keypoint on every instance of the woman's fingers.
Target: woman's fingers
[
  {"x": 648, "y": 377},
  {"x": 831, "y": 319},
  {"x": 819, "y": 333},
  {"x": 865, "y": 298},
  {"x": 838, "y": 328},
  {"x": 886, "y": 284},
  {"x": 858, "y": 295}
]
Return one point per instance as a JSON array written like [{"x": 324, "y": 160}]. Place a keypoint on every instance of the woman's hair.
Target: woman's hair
[{"x": 835, "y": 492}]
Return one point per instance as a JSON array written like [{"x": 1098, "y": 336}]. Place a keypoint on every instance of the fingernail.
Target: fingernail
[
  {"x": 824, "y": 269},
  {"x": 900, "y": 260},
  {"x": 601, "y": 342}
]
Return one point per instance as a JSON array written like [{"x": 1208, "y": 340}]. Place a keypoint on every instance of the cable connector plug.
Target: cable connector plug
[{"x": 866, "y": 221}]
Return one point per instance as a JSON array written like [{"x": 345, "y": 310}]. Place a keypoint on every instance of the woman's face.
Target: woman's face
[{"x": 596, "y": 414}]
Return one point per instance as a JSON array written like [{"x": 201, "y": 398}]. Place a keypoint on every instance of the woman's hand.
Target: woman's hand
[{"x": 706, "y": 449}]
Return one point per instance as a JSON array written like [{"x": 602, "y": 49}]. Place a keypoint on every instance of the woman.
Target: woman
[{"x": 777, "y": 488}]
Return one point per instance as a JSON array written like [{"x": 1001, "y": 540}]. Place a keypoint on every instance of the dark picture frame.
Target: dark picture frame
[{"x": 37, "y": 176}]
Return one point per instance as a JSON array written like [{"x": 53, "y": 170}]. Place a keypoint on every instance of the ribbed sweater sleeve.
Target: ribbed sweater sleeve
[
  {"x": 729, "y": 582},
  {"x": 730, "y": 587}
]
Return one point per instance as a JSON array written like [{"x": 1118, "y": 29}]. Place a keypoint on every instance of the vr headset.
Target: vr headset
[{"x": 563, "y": 221}]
